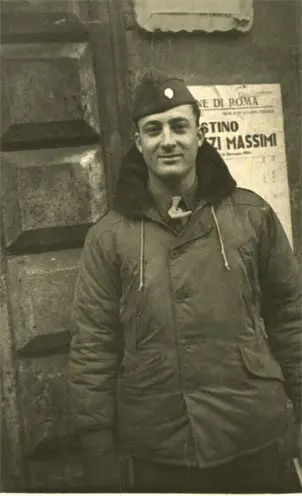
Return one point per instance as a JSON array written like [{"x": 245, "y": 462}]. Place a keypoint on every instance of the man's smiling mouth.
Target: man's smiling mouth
[{"x": 175, "y": 155}]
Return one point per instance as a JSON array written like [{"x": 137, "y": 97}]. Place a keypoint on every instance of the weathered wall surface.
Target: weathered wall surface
[
  {"x": 59, "y": 132},
  {"x": 269, "y": 53}
]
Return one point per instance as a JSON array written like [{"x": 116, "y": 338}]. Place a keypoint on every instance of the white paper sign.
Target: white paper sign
[
  {"x": 196, "y": 6},
  {"x": 245, "y": 124}
]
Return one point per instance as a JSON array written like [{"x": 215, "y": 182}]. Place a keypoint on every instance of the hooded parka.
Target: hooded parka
[{"x": 186, "y": 345}]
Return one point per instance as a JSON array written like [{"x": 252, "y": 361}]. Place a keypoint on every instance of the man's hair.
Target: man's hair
[{"x": 196, "y": 111}]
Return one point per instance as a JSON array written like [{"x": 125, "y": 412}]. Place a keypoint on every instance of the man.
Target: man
[{"x": 187, "y": 338}]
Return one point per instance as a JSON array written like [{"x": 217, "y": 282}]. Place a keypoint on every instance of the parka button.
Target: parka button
[
  {"x": 183, "y": 343},
  {"x": 174, "y": 253},
  {"x": 180, "y": 295}
]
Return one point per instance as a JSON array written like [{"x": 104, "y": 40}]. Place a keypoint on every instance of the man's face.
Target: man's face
[{"x": 169, "y": 142}]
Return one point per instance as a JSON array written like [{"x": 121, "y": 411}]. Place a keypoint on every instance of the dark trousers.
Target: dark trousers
[{"x": 265, "y": 471}]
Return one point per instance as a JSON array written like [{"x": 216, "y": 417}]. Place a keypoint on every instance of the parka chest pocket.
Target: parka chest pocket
[
  {"x": 246, "y": 260},
  {"x": 260, "y": 364},
  {"x": 248, "y": 249}
]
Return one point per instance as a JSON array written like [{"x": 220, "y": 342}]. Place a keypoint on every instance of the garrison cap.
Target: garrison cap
[{"x": 158, "y": 92}]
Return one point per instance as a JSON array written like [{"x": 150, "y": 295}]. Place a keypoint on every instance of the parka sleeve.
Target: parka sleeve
[
  {"x": 94, "y": 357},
  {"x": 280, "y": 279}
]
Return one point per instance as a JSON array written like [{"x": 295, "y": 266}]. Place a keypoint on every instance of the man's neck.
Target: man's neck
[
  {"x": 162, "y": 196},
  {"x": 171, "y": 187}
]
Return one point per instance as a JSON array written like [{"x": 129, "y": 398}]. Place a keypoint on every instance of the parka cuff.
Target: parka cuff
[{"x": 102, "y": 440}]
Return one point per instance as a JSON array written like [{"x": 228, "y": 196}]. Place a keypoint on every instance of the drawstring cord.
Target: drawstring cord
[
  {"x": 141, "y": 262},
  {"x": 225, "y": 260}
]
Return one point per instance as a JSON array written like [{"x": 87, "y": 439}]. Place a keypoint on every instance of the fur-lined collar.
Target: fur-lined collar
[{"x": 132, "y": 197}]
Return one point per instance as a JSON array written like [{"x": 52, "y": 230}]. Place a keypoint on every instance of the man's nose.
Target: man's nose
[{"x": 168, "y": 138}]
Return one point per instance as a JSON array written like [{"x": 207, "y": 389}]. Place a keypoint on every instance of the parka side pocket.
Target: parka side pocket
[{"x": 261, "y": 364}]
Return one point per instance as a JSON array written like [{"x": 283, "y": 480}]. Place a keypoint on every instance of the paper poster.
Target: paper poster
[{"x": 245, "y": 124}]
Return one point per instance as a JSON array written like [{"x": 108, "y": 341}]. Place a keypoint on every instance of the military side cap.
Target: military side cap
[{"x": 157, "y": 93}]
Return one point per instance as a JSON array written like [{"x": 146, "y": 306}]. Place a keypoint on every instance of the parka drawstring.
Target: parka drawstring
[
  {"x": 225, "y": 260},
  {"x": 141, "y": 262}
]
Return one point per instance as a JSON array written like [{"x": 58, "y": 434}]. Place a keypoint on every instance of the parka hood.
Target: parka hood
[{"x": 132, "y": 197}]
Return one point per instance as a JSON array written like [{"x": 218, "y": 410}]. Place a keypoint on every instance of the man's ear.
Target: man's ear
[
  {"x": 137, "y": 141},
  {"x": 200, "y": 135}
]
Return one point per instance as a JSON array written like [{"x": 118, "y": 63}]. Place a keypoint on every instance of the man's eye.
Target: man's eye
[
  {"x": 179, "y": 128},
  {"x": 153, "y": 131}
]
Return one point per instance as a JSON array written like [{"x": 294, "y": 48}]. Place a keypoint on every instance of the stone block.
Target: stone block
[
  {"x": 45, "y": 406},
  {"x": 28, "y": 20},
  {"x": 41, "y": 288},
  {"x": 50, "y": 94},
  {"x": 60, "y": 474},
  {"x": 51, "y": 196}
]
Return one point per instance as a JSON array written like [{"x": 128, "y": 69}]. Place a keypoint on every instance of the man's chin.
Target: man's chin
[{"x": 171, "y": 171}]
